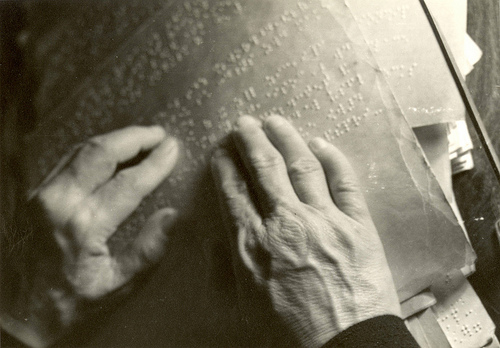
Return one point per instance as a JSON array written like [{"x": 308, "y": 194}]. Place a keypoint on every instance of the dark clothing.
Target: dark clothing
[{"x": 386, "y": 331}]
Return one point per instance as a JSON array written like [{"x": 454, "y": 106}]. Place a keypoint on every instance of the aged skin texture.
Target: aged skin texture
[{"x": 300, "y": 231}]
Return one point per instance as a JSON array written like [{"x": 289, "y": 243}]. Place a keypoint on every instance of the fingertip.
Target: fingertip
[
  {"x": 158, "y": 131},
  {"x": 318, "y": 144},
  {"x": 171, "y": 143},
  {"x": 247, "y": 121},
  {"x": 274, "y": 121},
  {"x": 170, "y": 147}
]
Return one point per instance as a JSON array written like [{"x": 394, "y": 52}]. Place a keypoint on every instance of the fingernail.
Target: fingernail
[
  {"x": 158, "y": 129},
  {"x": 318, "y": 144},
  {"x": 274, "y": 120},
  {"x": 246, "y": 120},
  {"x": 170, "y": 144}
]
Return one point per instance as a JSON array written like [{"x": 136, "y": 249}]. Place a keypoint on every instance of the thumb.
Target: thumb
[
  {"x": 149, "y": 246},
  {"x": 151, "y": 241}
]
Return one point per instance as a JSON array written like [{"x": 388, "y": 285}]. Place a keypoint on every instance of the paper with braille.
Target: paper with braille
[
  {"x": 403, "y": 43},
  {"x": 193, "y": 67}
]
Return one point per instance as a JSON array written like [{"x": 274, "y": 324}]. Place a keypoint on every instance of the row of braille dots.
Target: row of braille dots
[
  {"x": 220, "y": 11},
  {"x": 195, "y": 145},
  {"x": 144, "y": 63},
  {"x": 341, "y": 51},
  {"x": 377, "y": 44},
  {"x": 312, "y": 52},
  {"x": 401, "y": 70},
  {"x": 235, "y": 65},
  {"x": 184, "y": 28},
  {"x": 305, "y": 94},
  {"x": 382, "y": 16},
  {"x": 198, "y": 91},
  {"x": 454, "y": 313},
  {"x": 267, "y": 37},
  {"x": 184, "y": 128},
  {"x": 251, "y": 100},
  {"x": 341, "y": 110},
  {"x": 78, "y": 37},
  {"x": 344, "y": 127},
  {"x": 94, "y": 108},
  {"x": 347, "y": 84},
  {"x": 303, "y": 21},
  {"x": 309, "y": 90},
  {"x": 290, "y": 84},
  {"x": 469, "y": 331},
  {"x": 78, "y": 42},
  {"x": 242, "y": 58}
]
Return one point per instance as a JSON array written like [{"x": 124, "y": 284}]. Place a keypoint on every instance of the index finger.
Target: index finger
[
  {"x": 96, "y": 161},
  {"x": 264, "y": 163},
  {"x": 120, "y": 196},
  {"x": 304, "y": 169},
  {"x": 342, "y": 180}
]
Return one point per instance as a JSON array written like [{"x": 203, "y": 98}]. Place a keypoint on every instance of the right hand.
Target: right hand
[{"x": 301, "y": 232}]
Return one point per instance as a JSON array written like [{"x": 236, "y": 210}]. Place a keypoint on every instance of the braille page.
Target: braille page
[
  {"x": 194, "y": 68},
  {"x": 404, "y": 45}
]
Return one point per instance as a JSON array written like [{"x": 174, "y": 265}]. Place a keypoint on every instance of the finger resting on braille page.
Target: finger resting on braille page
[
  {"x": 342, "y": 180},
  {"x": 304, "y": 169},
  {"x": 263, "y": 161},
  {"x": 97, "y": 159},
  {"x": 237, "y": 206},
  {"x": 231, "y": 187},
  {"x": 120, "y": 196}
]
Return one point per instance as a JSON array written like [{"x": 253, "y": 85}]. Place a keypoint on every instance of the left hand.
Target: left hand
[{"x": 69, "y": 267}]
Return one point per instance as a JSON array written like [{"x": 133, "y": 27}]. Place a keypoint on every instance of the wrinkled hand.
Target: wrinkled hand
[
  {"x": 76, "y": 210},
  {"x": 301, "y": 232}
]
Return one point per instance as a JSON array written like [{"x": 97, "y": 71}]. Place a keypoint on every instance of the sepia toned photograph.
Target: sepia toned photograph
[{"x": 250, "y": 173}]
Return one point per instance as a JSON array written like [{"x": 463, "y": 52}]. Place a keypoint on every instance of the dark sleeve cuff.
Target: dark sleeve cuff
[{"x": 386, "y": 331}]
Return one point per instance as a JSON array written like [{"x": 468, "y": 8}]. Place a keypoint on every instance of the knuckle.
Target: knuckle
[
  {"x": 95, "y": 145},
  {"x": 263, "y": 162},
  {"x": 347, "y": 186},
  {"x": 95, "y": 153},
  {"x": 45, "y": 198},
  {"x": 129, "y": 184},
  {"x": 80, "y": 222},
  {"x": 304, "y": 166},
  {"x": 234, "y": 187},
  {"x": 122, "y": 180},
  {"x": 48, "y": 202}
]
